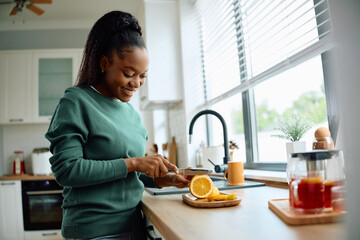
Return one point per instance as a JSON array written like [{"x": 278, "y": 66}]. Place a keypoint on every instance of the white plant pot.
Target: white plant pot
[{"x": 294, "y": 147}]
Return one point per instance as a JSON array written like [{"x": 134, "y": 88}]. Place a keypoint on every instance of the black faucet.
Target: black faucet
[{"x": 226, "y": 143}]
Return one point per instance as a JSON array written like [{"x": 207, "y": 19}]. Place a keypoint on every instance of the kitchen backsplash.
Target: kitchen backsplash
[
  {"x": 23, "y": 137},
  {"x": 177, "y": 126}
]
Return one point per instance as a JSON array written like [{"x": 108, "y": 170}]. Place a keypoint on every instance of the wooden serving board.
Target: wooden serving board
[
  {"x": 281, "y": 208},
  {"x": 204, "y": 203}
]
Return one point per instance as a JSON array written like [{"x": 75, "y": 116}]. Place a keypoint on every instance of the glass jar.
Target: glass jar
[
  {"x": 199, "y": 156},
  {"x": 325, "y": 143},
  {"x": 18, "y": 163}
]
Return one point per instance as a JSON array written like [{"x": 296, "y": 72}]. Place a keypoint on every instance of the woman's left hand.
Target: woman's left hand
[{"x": 170, "y": 179}]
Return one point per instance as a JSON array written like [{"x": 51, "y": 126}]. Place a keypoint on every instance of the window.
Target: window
[
  {"x": 299, "y": 90},
  {"x": 262, "y": 62}
]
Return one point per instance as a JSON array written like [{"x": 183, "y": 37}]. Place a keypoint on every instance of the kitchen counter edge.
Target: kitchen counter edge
[{"x": 26, "y": 177}]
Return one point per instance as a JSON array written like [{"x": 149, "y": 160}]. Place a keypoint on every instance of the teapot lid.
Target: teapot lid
[{"x": 316, "y": 155}]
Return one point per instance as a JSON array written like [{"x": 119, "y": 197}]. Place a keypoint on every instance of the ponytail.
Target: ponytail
[{"x": 115, "y": 31}]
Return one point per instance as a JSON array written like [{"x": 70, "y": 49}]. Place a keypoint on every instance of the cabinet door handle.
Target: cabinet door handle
[
  {"x": 8, "y": 183},
  {"x": 49, "y": 234},
  {"x": 44, "y": 192},
  {"x": 16, "y": 120}
]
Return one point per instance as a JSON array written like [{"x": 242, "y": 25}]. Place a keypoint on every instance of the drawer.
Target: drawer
[{"x": 43, "y": 235}]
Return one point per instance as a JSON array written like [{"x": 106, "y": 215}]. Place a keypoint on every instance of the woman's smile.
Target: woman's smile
[{"x": 129, "y": 92}]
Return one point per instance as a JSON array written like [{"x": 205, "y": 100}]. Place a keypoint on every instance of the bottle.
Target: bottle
[
  {"x": 18, "y": 163},
  {"x": 199, "y": 155}
]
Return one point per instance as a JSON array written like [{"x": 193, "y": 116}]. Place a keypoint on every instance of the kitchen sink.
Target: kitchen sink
[{"x": 219, "y": 182}]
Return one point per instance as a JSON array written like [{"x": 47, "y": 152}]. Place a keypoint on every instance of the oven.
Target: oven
[{"x": 42, "y": 200}]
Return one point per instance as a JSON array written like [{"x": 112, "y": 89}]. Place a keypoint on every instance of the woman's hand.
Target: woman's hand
[
  {"x": 152, "y": 166},
  {"x": 177, "y": 180}
]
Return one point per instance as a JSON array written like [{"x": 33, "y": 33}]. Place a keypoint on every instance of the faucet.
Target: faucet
[{"x": 226, "y": 143}]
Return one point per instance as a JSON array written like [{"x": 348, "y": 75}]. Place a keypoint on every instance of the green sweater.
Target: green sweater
[{"x": 90, "y": 135}]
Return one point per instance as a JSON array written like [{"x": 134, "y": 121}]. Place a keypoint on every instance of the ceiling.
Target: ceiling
[{"x": 65, "y": 14}]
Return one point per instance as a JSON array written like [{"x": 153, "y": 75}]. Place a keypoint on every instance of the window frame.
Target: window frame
[{"x": 248, "y": 103}]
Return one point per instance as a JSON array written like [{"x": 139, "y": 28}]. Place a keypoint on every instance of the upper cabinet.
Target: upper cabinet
[
  {"x": 15, "y": 87},
  {"x": 33, "y": 81},
  {"x": 161, "y": 29},
  {"x": 53, "y": 73}
]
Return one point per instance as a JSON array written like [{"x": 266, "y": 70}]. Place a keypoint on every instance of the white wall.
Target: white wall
[
  {"x": 23, "y": 137},
  {"x": 43, "y": 39},
  {"x": 192, "y": 80}
]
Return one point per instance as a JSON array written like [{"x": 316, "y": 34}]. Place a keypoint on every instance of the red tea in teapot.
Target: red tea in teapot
[{"x": 307, "y": 194}]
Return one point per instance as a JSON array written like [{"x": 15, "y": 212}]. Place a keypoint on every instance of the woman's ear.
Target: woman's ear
[{"x": 104, "y": 63}]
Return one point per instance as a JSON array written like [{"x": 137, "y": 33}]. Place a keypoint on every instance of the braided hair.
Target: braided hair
[{"x": 115, "y": 31}]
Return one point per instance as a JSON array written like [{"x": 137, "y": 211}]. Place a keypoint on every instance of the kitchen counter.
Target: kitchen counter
[
  {"x": 26, "y": 177},
  {"x": 252, "y": 219}
]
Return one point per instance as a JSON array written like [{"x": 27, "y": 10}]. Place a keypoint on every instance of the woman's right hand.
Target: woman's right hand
[{"x": 152, "y": 166}]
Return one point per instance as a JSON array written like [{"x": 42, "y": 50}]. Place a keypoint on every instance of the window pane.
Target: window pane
[
  {"x": 221, "y": 66},
  {"x": 298, "y": 91},
  {"x": 275, "y": 30},
  {"x": 231, "y": 110}
]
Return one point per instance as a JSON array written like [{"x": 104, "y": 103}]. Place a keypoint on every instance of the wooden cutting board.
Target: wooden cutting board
[
  {"x": 203, "y": 203},
  {"x": 281, "y": 208},
  {"x": 173, "y": 152}
]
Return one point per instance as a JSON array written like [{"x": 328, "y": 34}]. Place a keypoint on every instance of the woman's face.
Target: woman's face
[{"x": 123, "y": 76}]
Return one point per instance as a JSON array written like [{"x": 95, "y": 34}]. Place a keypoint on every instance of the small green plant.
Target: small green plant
[{"x": 293, "y": 129}]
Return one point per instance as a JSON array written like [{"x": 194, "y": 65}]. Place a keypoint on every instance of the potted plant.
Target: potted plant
[{"x": 293, "y": 129}]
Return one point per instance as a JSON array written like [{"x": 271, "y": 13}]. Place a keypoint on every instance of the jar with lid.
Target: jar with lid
[
  {"x": 18, "y": 163},
  {"x": 323, "y": 140}
]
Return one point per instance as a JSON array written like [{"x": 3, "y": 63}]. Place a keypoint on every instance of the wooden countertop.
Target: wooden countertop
[
  {"x": 252, "y": 219},
  {"x": 26, "y": 177}
]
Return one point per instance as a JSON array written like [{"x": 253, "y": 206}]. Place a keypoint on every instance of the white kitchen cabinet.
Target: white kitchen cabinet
[
  {"x": 15, "y": 87},
  {"x": 33, "y": 81},
  {"x": 11, "y": 214},
  {"x": 43, "y": 235},
  {"x": 161, "y": 29},
  {"x": 53, "y": 72}
]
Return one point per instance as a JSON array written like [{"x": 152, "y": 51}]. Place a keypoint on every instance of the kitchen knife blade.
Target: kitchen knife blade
[{"x": 193, "y": 171}]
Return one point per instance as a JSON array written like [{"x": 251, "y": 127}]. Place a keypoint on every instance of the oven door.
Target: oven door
[{"x": 42, "y": 209}]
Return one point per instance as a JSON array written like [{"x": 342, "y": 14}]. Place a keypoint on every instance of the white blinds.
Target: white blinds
[
  {"x": 220, "y": 55},
  {"x": 263, "y": 37}
]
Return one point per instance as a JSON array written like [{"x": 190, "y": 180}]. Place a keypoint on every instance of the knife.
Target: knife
[{"x": 193, "y": 171}]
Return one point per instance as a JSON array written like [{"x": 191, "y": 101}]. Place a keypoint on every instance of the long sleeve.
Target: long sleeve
[{"x": 68, "y": 133}]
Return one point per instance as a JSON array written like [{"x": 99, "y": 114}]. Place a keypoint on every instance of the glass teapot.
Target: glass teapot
[{"x": 311, "y": 175}]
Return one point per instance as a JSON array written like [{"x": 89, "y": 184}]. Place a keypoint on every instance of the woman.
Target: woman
[{"x": 98, "y": 139}]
